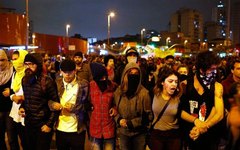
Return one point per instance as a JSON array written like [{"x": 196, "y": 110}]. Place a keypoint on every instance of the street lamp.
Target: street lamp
[
  {"x": 153, "y": 39},
  {"x": 33, "y": 39},
  {"x": 67, "y": 29},
  {"x": 167, "y": 39},
  {"x": 185, "y": 43},
  {"x": 111, "y": 14},
  {"x": 142, "y": 36}
]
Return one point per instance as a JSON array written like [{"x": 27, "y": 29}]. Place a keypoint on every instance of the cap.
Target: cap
[
  {"x": 131, "y": 50},
  {"x": 67, "y": 65}
]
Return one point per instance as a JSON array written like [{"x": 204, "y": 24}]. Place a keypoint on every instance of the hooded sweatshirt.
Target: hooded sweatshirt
[
  {"x": 136, "y": 107},
  {"x": 17, "y": 84},
  {"x": 6, "y": 70}
]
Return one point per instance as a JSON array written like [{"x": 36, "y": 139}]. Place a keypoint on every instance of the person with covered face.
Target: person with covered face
[
  {"x": 131, "y": 56},
  {"x": 202, "y": 104},
  {"x": 164, "y": 133},
  {"x": 6, "y": 71},
  {"x": 16, "y": 95},
  {"x": 133, "y": 105},
  {"x": 102, "y": 124},
  {"x": 38, "y": 90}
]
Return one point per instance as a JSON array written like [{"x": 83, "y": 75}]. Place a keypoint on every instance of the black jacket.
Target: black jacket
[{"x": 36, "y": 97}]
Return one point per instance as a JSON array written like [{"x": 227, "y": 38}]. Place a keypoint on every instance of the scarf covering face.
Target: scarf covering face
[
  {"x": 6, "y": 68},
  {"x": 207, "y": 79},
  {"x": 20, "y": 70}
]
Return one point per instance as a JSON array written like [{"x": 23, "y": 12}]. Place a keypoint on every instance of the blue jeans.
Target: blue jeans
[
  {"x": 103, "y": 144},
  {"x": 137, "y": 142}
]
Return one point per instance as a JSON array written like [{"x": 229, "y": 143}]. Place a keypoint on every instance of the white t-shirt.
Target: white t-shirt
[
  {"x": 68, "y": 121},
  {"x": 15, "y": 108}
]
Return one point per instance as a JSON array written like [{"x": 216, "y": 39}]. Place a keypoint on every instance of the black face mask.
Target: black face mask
[
  {"x": 102, "y": 84},
  {"x": 133, "y": 81},
  {"x": 183, "y": 77}
]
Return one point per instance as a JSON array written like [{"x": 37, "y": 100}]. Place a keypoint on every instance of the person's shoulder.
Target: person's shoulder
[
  {"x": 47, "y": 79},
  {"x": 218, "y": 84},
  {"x": 228, "y": 80},
  {"x": 143, "y": 90},
  {"x": 82, "y": 82},
  {"x": 218, "y": 87}
]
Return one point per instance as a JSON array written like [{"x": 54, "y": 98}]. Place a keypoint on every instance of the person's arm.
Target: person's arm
[
  {"x": 147, "y": 112},
  {"x": 18, "y": 97},
  {"x": 218, "y": 108},
  {"x": 83, "y": 103},
  {"x": 187, "y": 117},
  {"x": 52, "y": 95}
]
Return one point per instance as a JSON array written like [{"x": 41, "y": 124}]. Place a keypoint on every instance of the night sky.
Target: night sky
[{"x": 89, "y": 17}]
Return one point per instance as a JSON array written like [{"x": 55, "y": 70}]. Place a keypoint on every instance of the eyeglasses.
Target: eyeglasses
[{"x": 29, "y": 64}]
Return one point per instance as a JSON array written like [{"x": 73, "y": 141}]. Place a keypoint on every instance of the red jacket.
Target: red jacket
[{"x": 101, "y": 123}]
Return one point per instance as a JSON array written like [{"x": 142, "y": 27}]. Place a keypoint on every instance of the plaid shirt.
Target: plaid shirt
[{"x": 101, "y": 123}]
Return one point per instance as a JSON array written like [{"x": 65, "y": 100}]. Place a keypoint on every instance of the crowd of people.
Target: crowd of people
[{"x": 122, "y": 101}]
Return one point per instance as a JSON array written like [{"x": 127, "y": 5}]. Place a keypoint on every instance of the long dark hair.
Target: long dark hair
[{"x": 165, "y": 72}]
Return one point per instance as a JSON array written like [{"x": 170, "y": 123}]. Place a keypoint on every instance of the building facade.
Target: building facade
[
  {"x": 13, "y": 32},
  {"x": 189, "y": 22},
  {"x": 235, "y": 22}
]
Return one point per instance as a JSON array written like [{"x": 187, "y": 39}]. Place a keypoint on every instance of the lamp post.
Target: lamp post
[
  {"x": 67, "y": 29},
  {"x": 142, "y": 36},
  {"x": 27, "y": 25},
  {"x": 153, "y": 39},
  {"x": 167, "y": 39},
  {"x": 111, "y": 14},
  {"x": 33, "y": 39},
  {"x": 185, "y": 43}
]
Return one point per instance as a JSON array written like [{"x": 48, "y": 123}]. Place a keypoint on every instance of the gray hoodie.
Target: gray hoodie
[{"x": 136, "y": 109}]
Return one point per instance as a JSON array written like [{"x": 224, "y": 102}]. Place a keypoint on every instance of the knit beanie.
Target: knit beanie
[{"x": 36, "y": 59}]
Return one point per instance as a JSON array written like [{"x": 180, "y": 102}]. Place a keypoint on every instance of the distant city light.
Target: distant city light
[
  {"x": 103, "y": 52},
  {"x": 177, "y": 54},
  {"x": 23, "y": 47}
]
